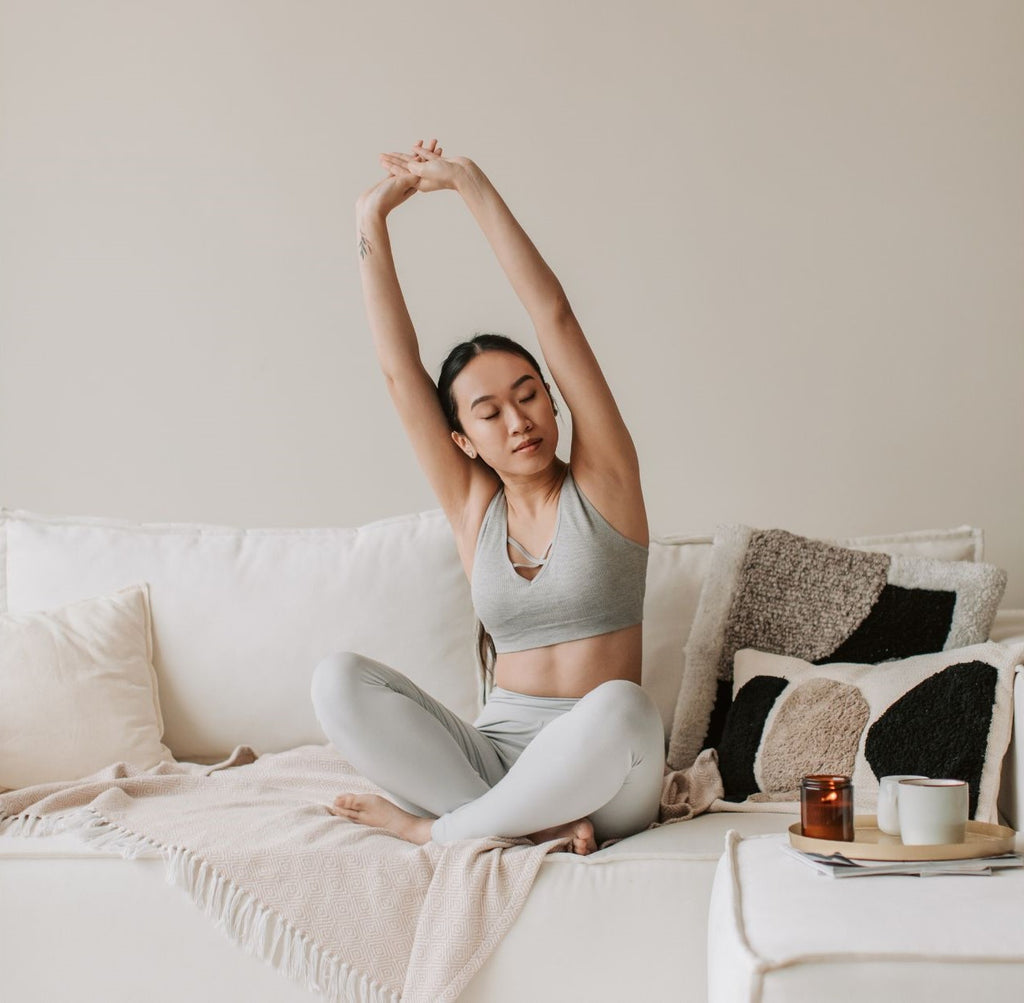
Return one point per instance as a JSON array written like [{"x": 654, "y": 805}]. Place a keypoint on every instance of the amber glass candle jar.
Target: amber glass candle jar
[{"x": 826, "y": 807}]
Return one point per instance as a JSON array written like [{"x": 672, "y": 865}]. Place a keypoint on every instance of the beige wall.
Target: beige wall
[{"x": 793, "y": 231}]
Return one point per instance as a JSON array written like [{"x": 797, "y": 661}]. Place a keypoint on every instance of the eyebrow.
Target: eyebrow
[{"x": 488, "y": 397}]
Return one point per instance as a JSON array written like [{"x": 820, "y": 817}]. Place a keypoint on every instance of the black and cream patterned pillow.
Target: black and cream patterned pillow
[
  {"x": 946, "y": 714},
  {"x": 790, "y": 595}
]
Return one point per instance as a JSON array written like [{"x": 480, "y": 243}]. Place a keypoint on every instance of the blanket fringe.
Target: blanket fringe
[
  {"x": 259, "y": 930},
  {"x": 33, "y": 825}
]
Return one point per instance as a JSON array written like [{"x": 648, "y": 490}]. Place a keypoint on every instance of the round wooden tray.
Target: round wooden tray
[{"x": 870, "y": 843}]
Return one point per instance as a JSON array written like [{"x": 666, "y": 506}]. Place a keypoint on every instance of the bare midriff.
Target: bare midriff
[{"x": 572, "y": 668}]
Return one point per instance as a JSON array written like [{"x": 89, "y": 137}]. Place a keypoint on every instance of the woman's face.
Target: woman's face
[{"x": 506, "y": 413}]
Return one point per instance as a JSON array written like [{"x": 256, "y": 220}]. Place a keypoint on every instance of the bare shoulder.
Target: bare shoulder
[
  {"x": 618, "y": 496},
  {"x": 466, "y": 527}
]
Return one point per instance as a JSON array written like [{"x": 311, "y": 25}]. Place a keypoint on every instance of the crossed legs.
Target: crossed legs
[{"x": 603, "y": 758}]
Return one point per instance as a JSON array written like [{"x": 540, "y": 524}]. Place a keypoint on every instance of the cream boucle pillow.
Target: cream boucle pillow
[
  {"x": 942, "y": 714},
  {"x": 78, "y": 690}
]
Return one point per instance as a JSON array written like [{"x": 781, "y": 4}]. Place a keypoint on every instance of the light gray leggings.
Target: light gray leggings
[{"x": 525, "y": 764}]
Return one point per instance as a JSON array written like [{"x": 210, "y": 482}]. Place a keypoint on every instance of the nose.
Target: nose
[{"x": 518, "y": 422}]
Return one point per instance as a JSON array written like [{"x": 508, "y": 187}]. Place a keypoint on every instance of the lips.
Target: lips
[{"x": 529, "y": 444}]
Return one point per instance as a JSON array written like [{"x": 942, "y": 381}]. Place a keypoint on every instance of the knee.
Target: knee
[
  {"x": 336, "y": 681},
  {"x": 625, "y": 704}
]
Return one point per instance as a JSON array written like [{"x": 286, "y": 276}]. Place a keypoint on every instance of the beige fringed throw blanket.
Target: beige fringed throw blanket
[{"x": 351, "y": 911}]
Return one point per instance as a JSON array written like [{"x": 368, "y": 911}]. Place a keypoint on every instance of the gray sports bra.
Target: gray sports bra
[{"x": 592, "y": 580}]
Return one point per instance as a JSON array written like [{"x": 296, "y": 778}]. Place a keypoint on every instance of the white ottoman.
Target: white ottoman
[{"x": 780, "y": 933}]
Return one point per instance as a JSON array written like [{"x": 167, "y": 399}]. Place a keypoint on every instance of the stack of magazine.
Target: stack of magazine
[{"x": 835, "y": 865}]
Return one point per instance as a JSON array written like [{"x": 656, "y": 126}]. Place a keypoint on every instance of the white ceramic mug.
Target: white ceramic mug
[
  {"x": 888, "y": 799},
  {"x": 933, "y": 811}
]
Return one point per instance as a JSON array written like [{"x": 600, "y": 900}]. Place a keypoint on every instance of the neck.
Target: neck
[{"x": 529, "y": 495}]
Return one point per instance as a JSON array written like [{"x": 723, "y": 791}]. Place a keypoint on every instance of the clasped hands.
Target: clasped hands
[{"x": 424, "y": 170}]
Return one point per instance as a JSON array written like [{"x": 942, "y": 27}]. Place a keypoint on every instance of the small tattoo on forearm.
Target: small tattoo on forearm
[{"x": 365, "y": 247}]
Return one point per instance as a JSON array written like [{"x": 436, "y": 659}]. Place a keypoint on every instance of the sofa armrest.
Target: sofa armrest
[
  {"x": 1011, "y": 786},
  {"x": 1008, "y": 628}
]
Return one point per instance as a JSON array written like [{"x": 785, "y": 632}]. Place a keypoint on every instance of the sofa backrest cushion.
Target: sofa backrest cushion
[{"x": 241, "y": 617}]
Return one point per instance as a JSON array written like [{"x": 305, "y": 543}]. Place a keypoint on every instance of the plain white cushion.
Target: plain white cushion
[
  {"x": 779, "y": 932},
  {"x": 78, "y": 690}
]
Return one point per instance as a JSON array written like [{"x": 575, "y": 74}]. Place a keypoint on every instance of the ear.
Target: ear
[{"x": 464, "y": 444}]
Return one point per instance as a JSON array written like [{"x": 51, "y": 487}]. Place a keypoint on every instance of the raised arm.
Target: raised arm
[
  {"x": 601, "y": 442},
  {"x": 452, "y": 475}
]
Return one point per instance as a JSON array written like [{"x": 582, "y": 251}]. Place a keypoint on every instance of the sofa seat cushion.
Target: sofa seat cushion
[
  {"x": 649, "y": 891},
  {"x": 65, "y": 845},
  {"x": 780, "y": 932},
  {"x": 701, "y": 838}
]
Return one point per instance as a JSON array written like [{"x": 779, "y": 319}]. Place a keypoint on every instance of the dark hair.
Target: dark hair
[
  {"x": 457, "y": 360},
  {"x": 485, "y": 658},
  {"x": 460, "y": 356}
]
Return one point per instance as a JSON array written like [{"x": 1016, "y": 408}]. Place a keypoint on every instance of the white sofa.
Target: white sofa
[{"x": 240, "y": 618}]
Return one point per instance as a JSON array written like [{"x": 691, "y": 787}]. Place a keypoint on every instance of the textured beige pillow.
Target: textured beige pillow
[{"x": 78, "y": 690}]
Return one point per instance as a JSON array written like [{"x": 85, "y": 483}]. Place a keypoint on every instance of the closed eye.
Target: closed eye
[{"x": 522, "y": 400}]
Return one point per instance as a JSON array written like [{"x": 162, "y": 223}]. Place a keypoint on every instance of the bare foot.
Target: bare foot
[
  {"x": 372, "y": 809},
  {"x": 581, "y": 831}
]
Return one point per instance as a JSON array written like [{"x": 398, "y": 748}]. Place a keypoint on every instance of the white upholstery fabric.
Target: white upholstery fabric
[
  {"x": 625, "y": 923},
  {"x": 1009, "y": 629},
  {"x": 1011, "y": 785},
  {"x": 241, "y": 617},
  {"x": 78, "y": 690},
  {"x": 676, "y": 568},
  {"x": 780, "y": 933}
]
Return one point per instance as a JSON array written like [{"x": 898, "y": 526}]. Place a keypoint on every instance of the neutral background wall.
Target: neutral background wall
[{"x": 792, "y": 229}]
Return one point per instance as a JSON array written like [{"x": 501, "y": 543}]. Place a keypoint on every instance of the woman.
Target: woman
[{"x": 568, "y": 746}]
